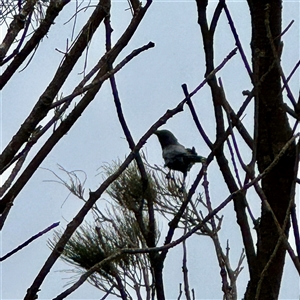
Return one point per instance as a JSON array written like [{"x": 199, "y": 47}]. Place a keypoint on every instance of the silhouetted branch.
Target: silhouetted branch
[
  {"x": 15, "y": 27},
  {"x": 29, "y": 241},
  {"x": 42, "y": 106},
  {"x": 237, "y": 41},
  {"x": 277, "y": 57},
  {"x": 52, "y": 12}
]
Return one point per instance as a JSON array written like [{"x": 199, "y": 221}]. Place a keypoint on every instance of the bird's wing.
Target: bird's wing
[{"x": 170, "y": 152}]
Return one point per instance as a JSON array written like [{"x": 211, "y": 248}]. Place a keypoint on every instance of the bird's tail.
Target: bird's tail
[
  {"x": 194, "y": 157},
  {"x": 197, "y": 158}
]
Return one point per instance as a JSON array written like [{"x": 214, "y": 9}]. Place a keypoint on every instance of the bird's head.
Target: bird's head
[{"x": 166, "y": 138}]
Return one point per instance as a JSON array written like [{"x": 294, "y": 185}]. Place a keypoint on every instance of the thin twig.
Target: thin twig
[
  {"x": 29, "y": 241},
  {"x": 276, "y": 57},
  {"x": 237, "y": 41}
]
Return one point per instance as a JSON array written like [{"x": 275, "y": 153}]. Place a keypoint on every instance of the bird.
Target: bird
[{"x": 175, "y": 155}]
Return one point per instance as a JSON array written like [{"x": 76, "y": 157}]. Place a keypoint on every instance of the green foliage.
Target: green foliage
[
  {"x": 129, "y": 190},
  {"x": 85, "y": 250},
  {"x": 116, "y": 228}
]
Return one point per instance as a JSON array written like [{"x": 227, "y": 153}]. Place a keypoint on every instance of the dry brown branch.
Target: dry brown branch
[
  {"x": 42, "y": 106},
  {"x": 15, "y": 27}
]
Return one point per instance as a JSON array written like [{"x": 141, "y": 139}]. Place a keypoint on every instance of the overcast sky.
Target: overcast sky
[{"x": 148, "y": 86}]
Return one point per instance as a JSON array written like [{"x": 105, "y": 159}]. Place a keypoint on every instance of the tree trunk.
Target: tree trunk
[
  {"x": 157, "y": 263},
  {"x": 273, "y": 131}
]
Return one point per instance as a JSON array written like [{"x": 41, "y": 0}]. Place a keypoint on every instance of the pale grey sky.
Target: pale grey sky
[{"x": 148, "y": 86}]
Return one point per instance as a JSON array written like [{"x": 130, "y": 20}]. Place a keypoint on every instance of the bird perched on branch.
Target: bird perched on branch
[{"x": 175, "y": 155}]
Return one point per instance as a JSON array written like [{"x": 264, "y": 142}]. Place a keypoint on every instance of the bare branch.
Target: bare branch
[{"x": 29, "y": 241}]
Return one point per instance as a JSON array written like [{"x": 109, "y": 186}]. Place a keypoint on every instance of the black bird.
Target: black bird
[{"x": 176, "y": 156}]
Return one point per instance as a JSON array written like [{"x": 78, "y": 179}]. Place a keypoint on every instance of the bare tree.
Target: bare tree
[
  {"x": 123, "y": 253},
  {"x": 272, "y": 143}
]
